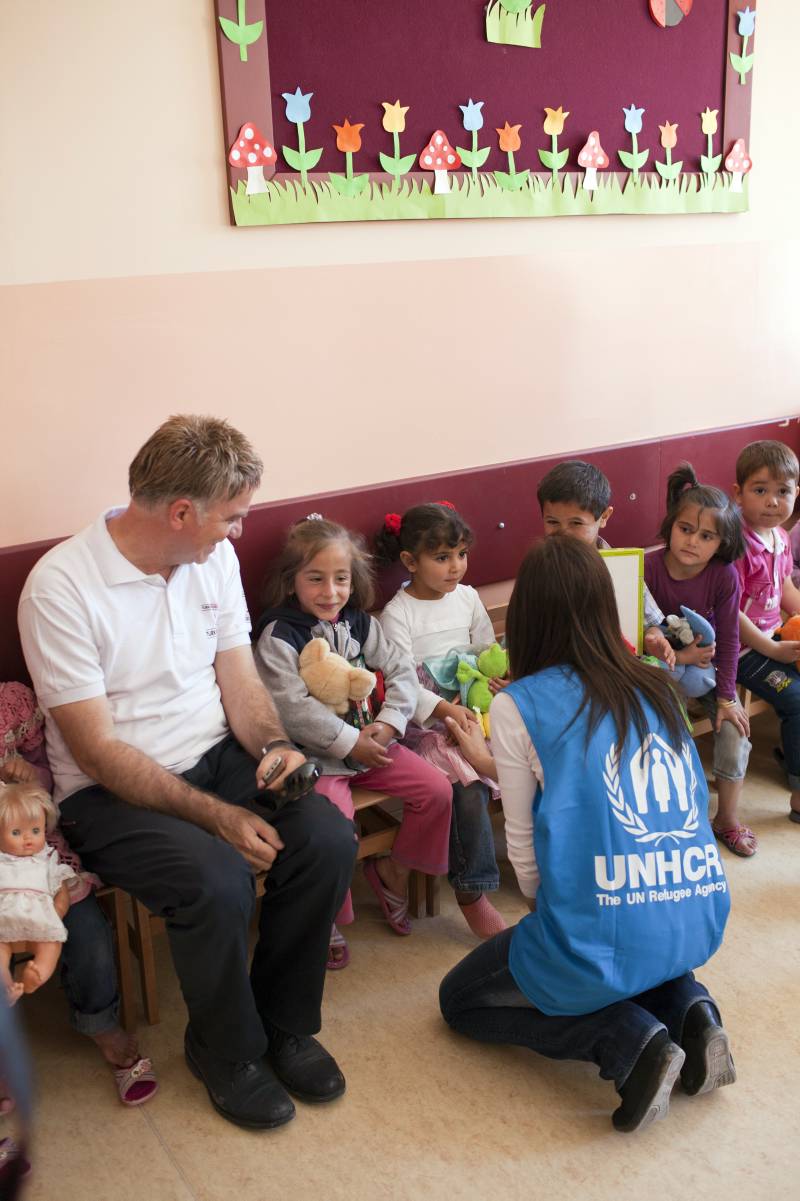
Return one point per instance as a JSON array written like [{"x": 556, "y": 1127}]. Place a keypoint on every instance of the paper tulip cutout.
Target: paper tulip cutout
[
  {"x": 554, "y": 158},
  {"x": 709, "y": 162},
  {"x": 473, "y": 121},
  {"x": 239, "y": 32},
  {"x": 635, "y": 160},
  {"x": 348, "y": 140},
  {"x": 669, "y": 12},
  {"x": 669, "y": 171},
  {"x": 509, "y": 140},
  {"x": 743, "y": 63},
  {"x": 394, "y": 122},
  {"x": 298, "y": 110}
]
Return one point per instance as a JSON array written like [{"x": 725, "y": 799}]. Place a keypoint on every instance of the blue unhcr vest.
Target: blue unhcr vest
[{"x": 632, "y": 890}]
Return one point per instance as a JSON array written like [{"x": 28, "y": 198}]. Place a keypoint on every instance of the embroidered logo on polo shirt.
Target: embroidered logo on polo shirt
[{"x": 209, "y": 605}]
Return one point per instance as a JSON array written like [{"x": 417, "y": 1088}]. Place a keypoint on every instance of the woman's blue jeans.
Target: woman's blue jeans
[
  {"x": 778, "y": 683},
  {"x": 473, "y": 863},
  {"x": 88, "y": 971},
  {"x": 479, "y": 998}
]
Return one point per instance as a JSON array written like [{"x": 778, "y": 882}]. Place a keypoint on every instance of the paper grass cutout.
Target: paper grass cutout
[
  {"x": 514, "y": 23},
  {"x": 667, "y": 13},
  {"x": 709, "y": 162},
  {"x": 592, "y": 158},
  {"x": 252, "y": 151},
  {"x": 738, "y": 163},
  {"x": 239, "y": 32},
  {"x": 633, "y": 125},
  {"x": 348, "y": 140},
  {"x": 743, "y": 63},
  {"x": 473, "y": 121},
  {"x": 554, "y": 158},
  {"x": 509, "y": 139},
  {"x": 298, "y": 110},
  {"x": 669, "y": 171},
  {"x": 394, "y": 122},
  {"x": 441, "y": 158}
]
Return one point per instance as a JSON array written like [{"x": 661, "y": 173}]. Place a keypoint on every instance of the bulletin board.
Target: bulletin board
[{"x": 362, "y": 110}]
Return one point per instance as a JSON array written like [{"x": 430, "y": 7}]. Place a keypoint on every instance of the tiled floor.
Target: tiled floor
[{"x": 429, "y": 1115}]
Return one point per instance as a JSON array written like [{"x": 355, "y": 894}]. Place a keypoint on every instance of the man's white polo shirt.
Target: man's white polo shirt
[{"x": 93, "y": 625}]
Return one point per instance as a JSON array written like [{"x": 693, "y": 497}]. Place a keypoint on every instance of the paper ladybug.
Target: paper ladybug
[{"x": 669, "y": 12}]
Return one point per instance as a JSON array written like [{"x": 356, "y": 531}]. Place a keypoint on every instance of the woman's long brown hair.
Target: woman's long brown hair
[{"x": 563, "y": 613}]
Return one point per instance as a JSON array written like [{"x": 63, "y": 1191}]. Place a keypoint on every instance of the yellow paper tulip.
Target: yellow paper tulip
[
  {"x": 394, "y": 116},
  {"x": 708, "y": 120},
  {"x": 554, "y": 121}
]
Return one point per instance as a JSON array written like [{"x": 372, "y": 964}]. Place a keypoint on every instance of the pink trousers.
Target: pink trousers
[{"x": 423, "y": 838}]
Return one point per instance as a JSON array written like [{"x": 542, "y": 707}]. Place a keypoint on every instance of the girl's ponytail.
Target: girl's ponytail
[
  {"x": 682, "y": 477},
  {"x": 424, "y": 527},
  {"x": 387, "y": 540},
  {"x": 683, "y": 488}
]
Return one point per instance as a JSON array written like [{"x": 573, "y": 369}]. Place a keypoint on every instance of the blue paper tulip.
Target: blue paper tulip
[
  {"x": 297, "y": 107},
  {"x": 473, "y": 117},
  {"x": 747, "y": 21},
  {"x": 633, "y": 119}
]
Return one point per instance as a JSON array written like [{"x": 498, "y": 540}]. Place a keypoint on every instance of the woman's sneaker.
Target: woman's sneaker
[
  {"x": 709, "y": 1063},
  {"x": 645, "y": 1094}
]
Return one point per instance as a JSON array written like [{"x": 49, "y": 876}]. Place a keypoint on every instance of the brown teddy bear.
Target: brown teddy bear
[{"x": 331, "y": 679}]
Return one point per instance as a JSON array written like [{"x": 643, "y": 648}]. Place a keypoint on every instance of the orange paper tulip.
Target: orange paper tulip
[
  {"x": 669, "y": 135},
  {"x": 348, "y": 137},
  {"x": 509, "y": 137}
]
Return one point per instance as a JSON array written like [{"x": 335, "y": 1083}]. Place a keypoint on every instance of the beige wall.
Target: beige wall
[{"x": 129, "y": 296}]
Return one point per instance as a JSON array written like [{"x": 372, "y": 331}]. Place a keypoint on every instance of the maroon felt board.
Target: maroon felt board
[{"x": 349, "y": 56}]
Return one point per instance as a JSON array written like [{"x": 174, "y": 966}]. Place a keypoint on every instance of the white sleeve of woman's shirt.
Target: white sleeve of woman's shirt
[{"x": 518, "y": 772}]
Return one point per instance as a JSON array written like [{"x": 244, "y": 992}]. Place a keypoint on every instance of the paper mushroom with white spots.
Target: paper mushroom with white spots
[
  {"x": 592, "y": 158},
  {"x": 440, "y": 157},
  {"x": 252, "y": 152},
  {"x": 738, "y": 162}
]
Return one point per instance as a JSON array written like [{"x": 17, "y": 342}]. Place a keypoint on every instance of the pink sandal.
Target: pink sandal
[
  {"x": 337, "y": 941},
  {"x": 395, "y": 909},
  {"x": 740, "y": 840},
  {"x": 137, "y": 1083}
]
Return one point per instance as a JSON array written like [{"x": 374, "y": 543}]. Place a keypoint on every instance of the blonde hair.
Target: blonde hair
[
  {"x": 304, "y": 542},
  {"x": 26, "y": 800},
  {"x": 202, "y": 458}
]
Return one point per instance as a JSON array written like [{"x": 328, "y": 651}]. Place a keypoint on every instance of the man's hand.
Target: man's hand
[
  {"x": 656, "y": 644},
  {"x": 698, "y": 656},
  {"x": 734, "y": 714},
  {"x": 291, "y": 759},
  {"x": 370, "y": 749},
  {"x": 18, "y": 771},
  {"x": 784, "y": 652},
  {"x": 472, "y": 745},
  {"x": 460, "y": 714},
  {"x": 254, "y": 839}
]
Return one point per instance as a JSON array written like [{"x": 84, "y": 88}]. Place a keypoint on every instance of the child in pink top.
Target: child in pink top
[{"x": 766, "y": 487}]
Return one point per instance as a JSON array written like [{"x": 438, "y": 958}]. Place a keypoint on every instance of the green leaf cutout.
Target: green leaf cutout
[
  {"x": 554, "y": 162},
  {"x": 349, "y": 187},
  {"x": 512, "y": 183},
  {"x": 634, "y": 162},
  {"x": 301, "y": 162},
  {"x": 241, "y": 35},
  {"x": 396, "y": 166},
  {"x": 742, "y": 63},
  {"x": 710, "y": 165},
  {"x": 669, "y": 171},
  {"x": 474, "y": 158},
  {"x": 311, "y": 158}
]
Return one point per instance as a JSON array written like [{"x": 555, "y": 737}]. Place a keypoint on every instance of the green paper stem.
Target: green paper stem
[
  {"x": 710, "y": 144},
  {"x": 474, "y": 152},
  {"x": 635, "y": 142},
  {"x": 348, "y": 164},
  {"x": 301, "y": 145},
  {"x": 743, "y": 73},
  {"x": 396, "y": 143},
  {"x": 669, "y": 156},
  {"x": 554, "y": 149},
  {"x": 512, "y": 170}
]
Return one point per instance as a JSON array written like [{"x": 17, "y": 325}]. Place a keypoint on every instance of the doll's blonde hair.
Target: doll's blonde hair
[{"x": 26, "y": 800}]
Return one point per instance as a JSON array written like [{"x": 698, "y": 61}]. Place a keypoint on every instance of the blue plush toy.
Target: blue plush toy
[{"x": 693, "y": 681}]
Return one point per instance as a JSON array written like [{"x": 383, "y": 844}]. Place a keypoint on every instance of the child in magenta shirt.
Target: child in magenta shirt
[{"x": 766, "y": 486}]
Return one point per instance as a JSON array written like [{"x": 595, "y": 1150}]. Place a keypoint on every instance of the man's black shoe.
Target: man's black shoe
[
  {"x": 645, "y": 1094},
  {"x": 303, "y": 1065},
  {"x": 247, "y": 1094},
  {"x": 709, "y": 1063}
]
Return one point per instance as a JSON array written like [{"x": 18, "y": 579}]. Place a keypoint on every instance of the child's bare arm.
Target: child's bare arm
[
  {"x": 756, "y": 640},
  {"x": 790, "y": 597}
]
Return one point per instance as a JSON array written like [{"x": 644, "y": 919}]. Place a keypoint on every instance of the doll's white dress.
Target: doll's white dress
[{"x": 28, "y": 884}]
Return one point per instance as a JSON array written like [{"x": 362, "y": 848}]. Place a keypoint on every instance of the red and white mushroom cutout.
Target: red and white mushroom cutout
[
  {"x": 252, "y": 151},
  {"x": 592, "y": 158},
  {"x": 440, "y": 157},
  {"x": 739, "y": 162}
]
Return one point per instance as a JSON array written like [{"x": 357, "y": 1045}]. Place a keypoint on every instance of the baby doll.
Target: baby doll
[{"x": 33, "y": 888}]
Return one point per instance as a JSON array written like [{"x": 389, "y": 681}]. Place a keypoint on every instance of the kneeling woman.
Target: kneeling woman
[{"x": 605, "y": 804}]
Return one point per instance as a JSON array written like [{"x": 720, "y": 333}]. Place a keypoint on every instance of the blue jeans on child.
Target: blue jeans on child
[
  {"x": 473, "y": 864},
  {"x": 88, "y": 971},
  {"x": 778, "y": 683},
  {"x": 479, "y": 998}
]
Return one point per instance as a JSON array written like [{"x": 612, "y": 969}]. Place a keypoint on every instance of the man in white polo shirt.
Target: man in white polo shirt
[{"x": 159, "y": 735}]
